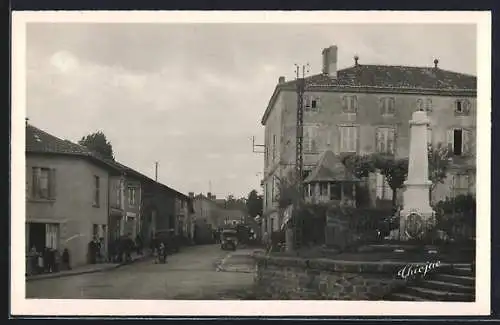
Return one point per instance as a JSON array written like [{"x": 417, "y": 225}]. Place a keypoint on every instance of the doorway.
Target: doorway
[{"x": 37, "y": 236}]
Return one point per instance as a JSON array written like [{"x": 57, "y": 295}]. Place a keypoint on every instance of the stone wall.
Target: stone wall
[{"x": 298, "y": 278}]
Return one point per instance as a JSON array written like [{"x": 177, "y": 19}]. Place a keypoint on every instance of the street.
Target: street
[{"x": 197, "y": 272}]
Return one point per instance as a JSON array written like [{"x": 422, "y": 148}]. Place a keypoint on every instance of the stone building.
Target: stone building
[{"x": 366, "y": 108}]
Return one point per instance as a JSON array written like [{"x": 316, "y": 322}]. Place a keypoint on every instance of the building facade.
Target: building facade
[
  {"x": 66, "y": 195},
  {"x": 365, "y": 109}
]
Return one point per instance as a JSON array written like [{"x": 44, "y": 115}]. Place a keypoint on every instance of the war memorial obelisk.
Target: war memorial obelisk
[{"x": 417, "y": 214}]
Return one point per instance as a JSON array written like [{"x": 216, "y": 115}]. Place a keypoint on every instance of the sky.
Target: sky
[{"x": 191, "y": 96}]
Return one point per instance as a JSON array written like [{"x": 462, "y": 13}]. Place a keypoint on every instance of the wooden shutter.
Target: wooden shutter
[
  {"x": 392, "y": 105},
  {"x": 52, "y": 183},
  {"x": 355, "y": 104},
  {"x": 377, "y": 140},
  {"x": 390, "y": 140},
  {"x": 35, "y": 184},
  {"x": 27, "y": 181},
  {"x": 449, "y": 140},
  {"x": 466, "y": 141},
  {"x": 381, "y": 106},
  {"x": 344, "y": 103}
]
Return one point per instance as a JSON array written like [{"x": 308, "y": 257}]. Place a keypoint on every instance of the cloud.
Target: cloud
[{"x": 192, "y": 95}]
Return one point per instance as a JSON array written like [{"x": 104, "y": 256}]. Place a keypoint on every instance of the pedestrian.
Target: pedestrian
[
  {"x": 66, "y": 265},
  {"x": 138, "y": 244},
  {"x": 40, "y": 263},
  {"x": 92, "y": 252}
]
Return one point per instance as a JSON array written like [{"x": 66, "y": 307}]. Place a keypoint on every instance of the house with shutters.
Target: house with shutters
[
  {"x": 74, "y": 195},
  {"x": 364, "y": 109},
  {"x": 66, "y": 194}
]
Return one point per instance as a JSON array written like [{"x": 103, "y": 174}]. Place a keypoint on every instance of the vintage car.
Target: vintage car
[{"x": 229, "y": 239}]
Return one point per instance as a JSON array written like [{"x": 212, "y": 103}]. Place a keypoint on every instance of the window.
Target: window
[
  {"x": 311, "y": 104},
  {"x": 461, "y": 184},
  {"x": 462, "y": 106},
  {"x": 428, "y": 105},
  {"x": 350, "y": 104},
  {"x": 97, "y": 191},
  {"x": 424, "y": 104},
  {"x": 118, "y": 194},
  {"x": 43, "y": 183},
  {"x": 309, "y": 138},
  {"x": 335, "y": 191},
  {"x": 384, "y": 191},
  {"x": 459, "y": 141},
  {"x": 348, "y": 138},
  {"x": 429, "y": 136},
  {"x": 387, "y": 106},
  {"x": 52, "y": 235},
  {"x": 132, "y": 199},
  {"x": 385, "y": 140}
]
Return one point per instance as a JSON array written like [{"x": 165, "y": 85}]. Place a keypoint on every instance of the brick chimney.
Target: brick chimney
[
  {"x": 281, "y": 80},
  {"x": 191, "y": 195},
  {"x": 209, "y": 195},
  {"x": 330, "y": 61}
]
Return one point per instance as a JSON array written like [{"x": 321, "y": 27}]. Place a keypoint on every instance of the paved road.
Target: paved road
[{"x": 198, "y": 272}]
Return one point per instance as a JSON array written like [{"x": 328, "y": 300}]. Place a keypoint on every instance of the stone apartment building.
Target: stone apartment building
[{"x": 366, "y": 108}]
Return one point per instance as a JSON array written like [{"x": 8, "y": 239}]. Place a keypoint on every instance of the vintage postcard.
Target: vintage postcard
[{"x": 250, "y": 163}]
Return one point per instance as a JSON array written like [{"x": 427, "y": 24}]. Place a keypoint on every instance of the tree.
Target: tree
[
  {"x": 394, "y": 170},
  {"x": 288, "y": 192},
  {"x": 359, "y": 166},
  {"x": 232, "y": 203},
  {"x": 254, "y": 204},
  {"x": 439, "y": 161},
  {"x": 98, "y": 143}
]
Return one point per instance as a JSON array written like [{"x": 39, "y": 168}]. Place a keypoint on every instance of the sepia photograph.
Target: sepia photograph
[{"x": 306, "y": 159}]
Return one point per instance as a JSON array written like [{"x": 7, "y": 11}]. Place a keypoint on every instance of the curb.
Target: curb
[{"x": 62, "y": 275}]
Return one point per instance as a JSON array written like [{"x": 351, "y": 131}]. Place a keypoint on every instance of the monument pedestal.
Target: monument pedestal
[{"x": 417, "y": 214}]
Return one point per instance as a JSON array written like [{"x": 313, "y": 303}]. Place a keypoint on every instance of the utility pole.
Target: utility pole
[
  {"x": 299, "y": 162},
  {"x": 156, "y": 171}
]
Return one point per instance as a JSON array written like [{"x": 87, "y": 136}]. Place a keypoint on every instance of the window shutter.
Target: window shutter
[
  {"x": 28, "y": 188},
  {"x": 449, "y": 139},
  {"x": 378, "y": 144},
  {"x": 466, "y": 141},
  {"x": 52, "y": 184},
  {"x": 381, "y": 106},
  {"x": 355, "y": 104},
  {"x": 467, "y": 106},
  {"x": 344, "y": 103},
  {"x": 392, "y": 105},
  {"x": 35, "y": 184},
  {"x": 390, "y": 141}
]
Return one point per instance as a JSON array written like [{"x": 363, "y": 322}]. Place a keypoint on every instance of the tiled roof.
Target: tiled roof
[
  {"x": 391, "y": 78},
  {"x": 329, "y": 169},
  {"x": 388, "y": 76},
  {"x": 39, "y": 141}
]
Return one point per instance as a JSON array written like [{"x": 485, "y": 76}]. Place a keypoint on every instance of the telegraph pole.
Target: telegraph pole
[{"x": 299, "y": 161}]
